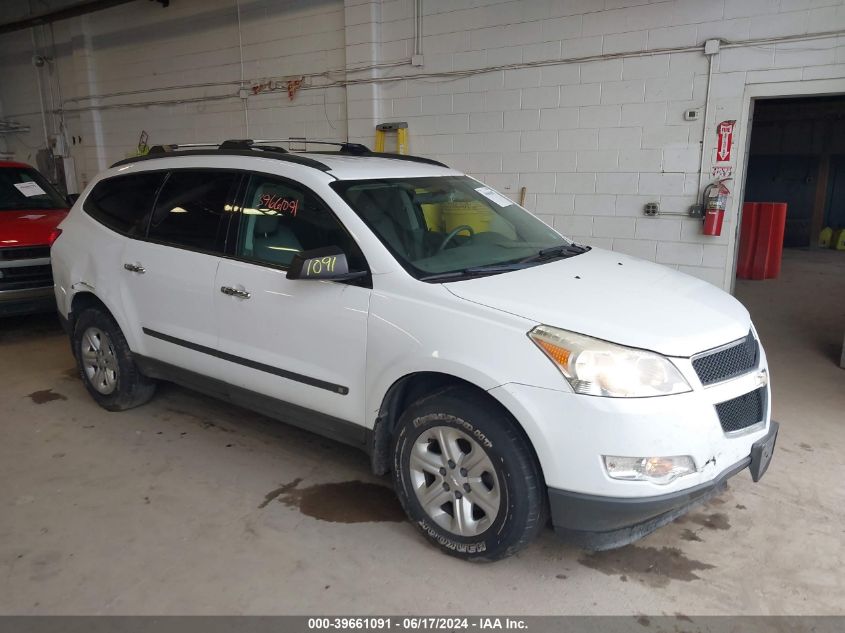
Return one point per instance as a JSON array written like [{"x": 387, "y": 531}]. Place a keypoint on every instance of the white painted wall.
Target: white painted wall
[{"x": 592, "y": 141}]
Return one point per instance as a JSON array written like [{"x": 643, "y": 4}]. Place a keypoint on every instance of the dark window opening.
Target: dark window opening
[
  {"x": 123, "y": 203},
  {"x": 193, "y": 209},
  {"x": 797, "y": 156}
]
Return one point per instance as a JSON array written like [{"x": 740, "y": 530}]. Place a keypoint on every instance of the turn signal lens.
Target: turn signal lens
[
  {"x": 54, "y": 235},
  {"x": 557, "y": 354},
  {"x": 657, "y": 470}
]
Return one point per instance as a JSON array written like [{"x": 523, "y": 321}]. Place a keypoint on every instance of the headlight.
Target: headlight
[{"x": 599, "y": 368}]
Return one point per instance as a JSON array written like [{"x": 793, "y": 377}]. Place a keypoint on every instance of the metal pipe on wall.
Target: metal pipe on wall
[
  {"x": 242, "y": 86},
  {"x": 701, "y": 172},
  {"x": 418, "y": 26},
  {"x": 40, "y": 92}
]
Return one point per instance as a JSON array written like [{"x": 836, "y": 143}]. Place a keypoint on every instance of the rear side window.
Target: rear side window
[
  {"x": 193, "y": 209},
  {"x": 124, "y": 203}
]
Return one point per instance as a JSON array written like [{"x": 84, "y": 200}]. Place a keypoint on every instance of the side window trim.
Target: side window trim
[
  {"x": 248, "y": 175},
  {"x": 153, "y": 205},
  {"x": 233, "y": 229}
]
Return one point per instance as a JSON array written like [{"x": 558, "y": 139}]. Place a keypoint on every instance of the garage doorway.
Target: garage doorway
[{"x": 796, "y": 155}]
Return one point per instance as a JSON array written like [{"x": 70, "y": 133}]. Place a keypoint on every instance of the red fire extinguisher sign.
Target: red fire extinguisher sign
[{"x": 725, "y": 135}]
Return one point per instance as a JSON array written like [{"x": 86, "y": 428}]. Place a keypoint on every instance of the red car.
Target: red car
[{"x": 30, "y": 211}]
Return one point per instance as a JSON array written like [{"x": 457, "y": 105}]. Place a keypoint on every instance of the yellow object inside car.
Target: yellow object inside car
[
  {"x": 443, "y": 217},
  {"x": 475, "y": 215}
]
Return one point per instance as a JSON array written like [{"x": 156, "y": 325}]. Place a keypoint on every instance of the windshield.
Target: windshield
[
  {"x": 445, "y": 225},
  {"x": 23, "y": 188}
]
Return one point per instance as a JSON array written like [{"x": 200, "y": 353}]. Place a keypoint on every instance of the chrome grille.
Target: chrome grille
[
  {"x": 727, "y": 362},
  {"x": 25, "y": 268}
]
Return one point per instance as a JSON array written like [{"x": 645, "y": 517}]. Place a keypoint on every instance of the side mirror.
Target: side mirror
[
  {"x": 72, "y": 198},
  {"x": 322, "y": 263}
]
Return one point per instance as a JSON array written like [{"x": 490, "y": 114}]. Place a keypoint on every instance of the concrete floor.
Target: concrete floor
[{"x": 190, "y": 506}]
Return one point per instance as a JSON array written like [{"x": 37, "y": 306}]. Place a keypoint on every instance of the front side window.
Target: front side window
[
  {"x": 124, "y": 203},
  {"x": 24, "y": 189},
  {"x": 280, "y": 219},
  {"x": 449, "y": 225},
  {"x": 193, "y": 209}
]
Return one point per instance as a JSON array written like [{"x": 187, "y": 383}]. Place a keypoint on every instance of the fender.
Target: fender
[{"x": 486, "y": 347}]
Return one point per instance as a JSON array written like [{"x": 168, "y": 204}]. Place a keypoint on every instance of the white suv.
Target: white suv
[{"x": 500, "y": 371}]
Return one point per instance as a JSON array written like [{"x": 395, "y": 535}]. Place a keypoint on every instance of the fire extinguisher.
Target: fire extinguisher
[{"x": 716, "y": 201}]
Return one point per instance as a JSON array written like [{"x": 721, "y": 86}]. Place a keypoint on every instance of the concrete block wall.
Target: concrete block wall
[
  {"x": 143, "y": 47},
  {"x": 592, "y": 140}
]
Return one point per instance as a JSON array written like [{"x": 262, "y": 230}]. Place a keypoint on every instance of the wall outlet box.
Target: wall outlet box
[
  {"x": 652, "y": 208},
  {"x": 243, "y": 93},
  {"x": 417, "y": 60},
  {"x": 711, "y": 47}
]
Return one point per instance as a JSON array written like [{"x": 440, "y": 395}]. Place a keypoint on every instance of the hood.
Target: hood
[
  {"x": 28, "y": 228},
  {"x": 616, "y": 298}
]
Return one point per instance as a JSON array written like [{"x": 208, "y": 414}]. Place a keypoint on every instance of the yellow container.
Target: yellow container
[
  {"x": 433, "y": 217},
  {"x": 476, "y": 215},
  {"x": 826, "y": 237},
  {"x": 838, "y": 241}
]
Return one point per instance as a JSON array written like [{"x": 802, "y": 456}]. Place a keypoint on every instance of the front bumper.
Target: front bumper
[
  {"x": 27, "y": 301},
  {"x": 600, "y": 523},
  {"x": 571, "y": 432}
]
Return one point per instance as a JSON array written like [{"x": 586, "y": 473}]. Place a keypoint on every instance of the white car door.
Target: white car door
[
  {"x": 169, "y": 277},
  {"x": 300, "y": 342}
]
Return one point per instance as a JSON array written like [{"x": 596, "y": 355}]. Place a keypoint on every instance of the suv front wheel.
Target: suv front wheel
[
  {"x": 467, "y": 477},
  {"x": 105, "y": 363}
]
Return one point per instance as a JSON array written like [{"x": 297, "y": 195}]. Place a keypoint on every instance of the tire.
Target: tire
[
  {"x": 104, "y": 362},
  {"x": 491, "y": 509}
]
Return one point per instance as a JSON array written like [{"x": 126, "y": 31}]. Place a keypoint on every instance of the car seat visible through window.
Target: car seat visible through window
[
  {"x": 391, "y": 214},
  {"x": 270, "y": 235}
]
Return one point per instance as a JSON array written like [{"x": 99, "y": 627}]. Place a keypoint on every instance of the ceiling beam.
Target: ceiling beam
[{"x": 72, "y": 11}]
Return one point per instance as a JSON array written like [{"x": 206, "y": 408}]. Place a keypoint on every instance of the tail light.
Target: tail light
[{"x": 54, "y": 235}]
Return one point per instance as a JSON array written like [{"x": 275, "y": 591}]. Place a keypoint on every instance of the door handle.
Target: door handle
[
  {"x": 234, "y": 292},
  {"x": 135, "y": 268}
]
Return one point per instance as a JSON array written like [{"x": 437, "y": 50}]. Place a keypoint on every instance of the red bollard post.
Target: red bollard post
[
  {"x": 768, "y": 251},
  {"x": 747, "y": 240},
  {"x": 776, "y": 239}
]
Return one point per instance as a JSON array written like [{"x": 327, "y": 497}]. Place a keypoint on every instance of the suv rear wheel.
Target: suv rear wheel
[
  {"x": 105, "y": 363},
  {"x": 467, "y": 477}
]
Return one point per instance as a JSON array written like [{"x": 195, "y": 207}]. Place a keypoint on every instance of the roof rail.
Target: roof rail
[
  {"x": 248, "y": 147},
  {"x": 355, "y": 149},
  {"x": 272, "y": 153},
  {"x": 162, "y": 149},
  {"x": 248, "y": 143}
]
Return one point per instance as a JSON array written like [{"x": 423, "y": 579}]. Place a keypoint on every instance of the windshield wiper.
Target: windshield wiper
[
  {"x": 475, "y": 271},
  {"x": 557, "y": 252},
  {"x": 553, "y": 252}
]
